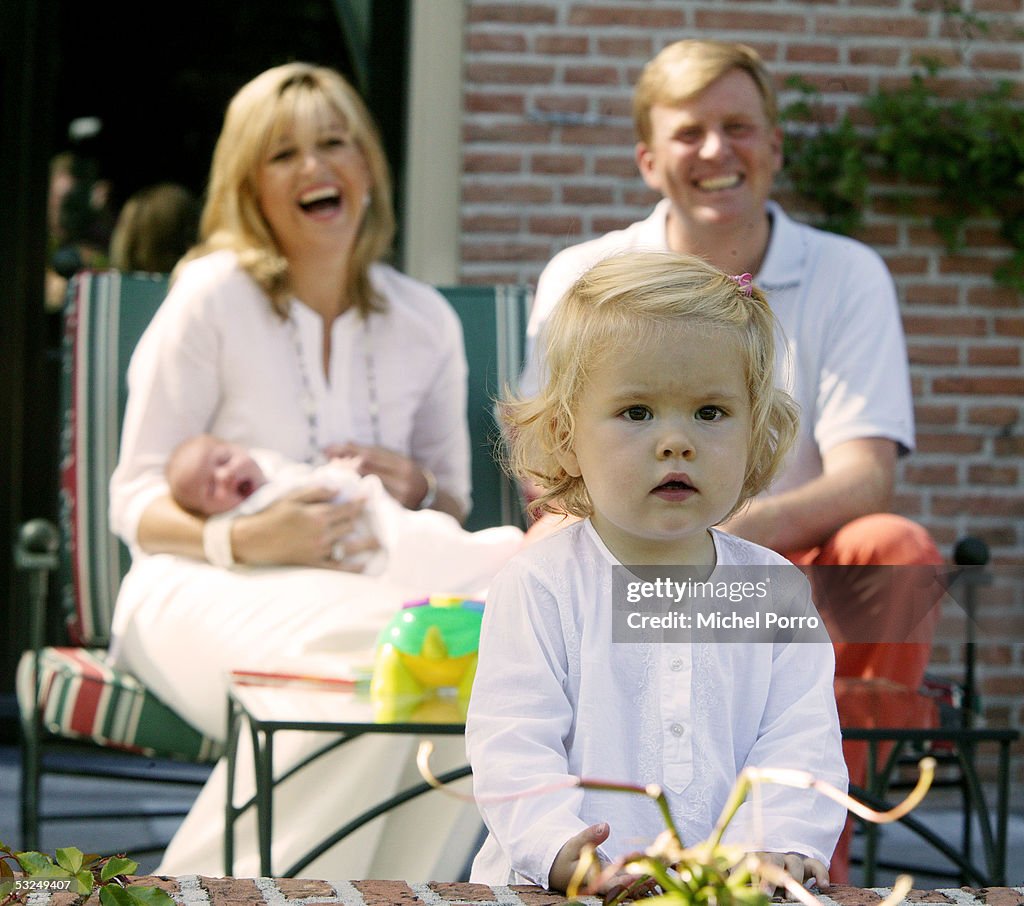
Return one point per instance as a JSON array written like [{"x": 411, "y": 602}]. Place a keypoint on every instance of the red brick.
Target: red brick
[
  {"x": 535, "y": 133},
  {"x": 618, "y": 107},
  {"x": 1008, "y": 386},
  {"x": 887, "y": 57},
  {"x": 505, "y": 193},
  {"x": 929, "y": 294},
  {"x": 504, "y": 251},
  {"x": 930, "y": 474},
  {"x": 1002, "y": 416},
  {"x": 489, "y": 162},
  {"x": 499, "y": 42},
  {"x": 966, "y": 264},
  {"x": 561, "y": 44},
  {"x": 637, "y": 48},
  {"x": 552, "y": 225},
  {"x": 623, "y": 167},
  {"x": 621, "y": 136},
  {"x": 948, "y": 443},
  {"x": 931, "y": 354},
  {"x": 509, "y": 73},
  {"x": 490, "y": 223},
  {"x": 997, "y": 60},
  {"x": 592, "y": 75},
  {"x": 812, "y": 53},
  {"x": 1009, "y": 327},
  {"x": 584, "y": 194},
  {"x": 561, "y": 103},
  {"x": 994, "y": 355},
  {"x": 992, "y": 297},
  {"x": 990, "y": 474},
  {"x": 387, "y": 893},
  {"x": 632, "y": 16},
  {"x": 557, "y": 163},
  {"x": 717, "y": 20},
  {"x": 945, "y": 326},
  {"x": 977, "y": 504},
  {"x": 907, "y": 264},
  {"x": 521, "y": 13},
  {"x": 934, "y": 415},
  {"x": 898, "y": 27},
  {"x": 607, "y": 224},
  {"x": 483, "y": 102}
]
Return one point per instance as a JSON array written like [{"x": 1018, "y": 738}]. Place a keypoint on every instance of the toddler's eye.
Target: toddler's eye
[
  {"x": 709, "y": 413},
  {"x": 637, "y": 414}
]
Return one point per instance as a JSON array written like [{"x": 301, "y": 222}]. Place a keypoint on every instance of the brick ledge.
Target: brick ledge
[{"x": 192, "y": 890}]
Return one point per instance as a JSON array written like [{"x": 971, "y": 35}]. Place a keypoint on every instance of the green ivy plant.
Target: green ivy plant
[
  {"x": 71, "y": 870},
  {"x": 970, "y": 150}
]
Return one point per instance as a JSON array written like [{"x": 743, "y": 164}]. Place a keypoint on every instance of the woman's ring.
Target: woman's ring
[{"x": 338, "y": 551}]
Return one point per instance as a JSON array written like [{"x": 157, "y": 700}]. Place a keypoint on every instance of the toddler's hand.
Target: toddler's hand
[
  {"x": 568, "y": 858},
  {"x": 802, "y": 869}
]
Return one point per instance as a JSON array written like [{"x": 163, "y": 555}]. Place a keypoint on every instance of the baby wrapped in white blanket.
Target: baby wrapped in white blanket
[{"x": 421, "y": 548}]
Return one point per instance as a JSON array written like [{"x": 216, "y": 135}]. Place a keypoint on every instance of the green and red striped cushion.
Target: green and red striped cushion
[{"x": 82, "y": 697}]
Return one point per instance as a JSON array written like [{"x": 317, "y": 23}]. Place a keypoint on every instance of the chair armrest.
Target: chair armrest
[{"x": 35, "y": 553}]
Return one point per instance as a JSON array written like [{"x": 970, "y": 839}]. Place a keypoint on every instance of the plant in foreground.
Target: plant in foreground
[
  {"x": 71, "y": 870},
  {"x": 710, "y": 873}
]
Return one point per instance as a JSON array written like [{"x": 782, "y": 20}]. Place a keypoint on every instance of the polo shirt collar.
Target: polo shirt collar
[{"x": 783, "y": 262}]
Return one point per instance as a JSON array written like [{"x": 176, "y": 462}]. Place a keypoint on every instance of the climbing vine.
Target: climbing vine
[{"x": 969, "y": 151}]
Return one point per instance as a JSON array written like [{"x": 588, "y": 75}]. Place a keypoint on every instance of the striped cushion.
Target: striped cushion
[
  {"x": 106, "y": 314},
  {"x": 82, "y": 697}
]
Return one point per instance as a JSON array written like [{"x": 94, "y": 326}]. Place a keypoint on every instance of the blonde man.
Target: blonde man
[{"x": 709, "y": 142}]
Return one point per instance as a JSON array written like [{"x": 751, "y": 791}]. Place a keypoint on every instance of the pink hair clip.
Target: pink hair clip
[{"x": 745, "y": 282}]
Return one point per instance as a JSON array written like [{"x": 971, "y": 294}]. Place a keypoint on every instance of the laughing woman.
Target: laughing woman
[{"x": 283, "y": 330}]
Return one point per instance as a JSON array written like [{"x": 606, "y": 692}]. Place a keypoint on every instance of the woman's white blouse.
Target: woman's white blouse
[{"x": 217, "y": 358}]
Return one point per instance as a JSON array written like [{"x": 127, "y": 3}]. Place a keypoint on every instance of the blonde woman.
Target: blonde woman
[{"x": 283, "y": 330}]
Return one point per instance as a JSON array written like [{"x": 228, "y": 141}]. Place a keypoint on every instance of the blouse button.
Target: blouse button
[
  {"x": 677, "y": 663},
  {"x": 677, "y": 729}
]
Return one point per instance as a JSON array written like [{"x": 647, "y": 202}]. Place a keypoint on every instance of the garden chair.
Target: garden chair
[{"x": 70, "y": 692}]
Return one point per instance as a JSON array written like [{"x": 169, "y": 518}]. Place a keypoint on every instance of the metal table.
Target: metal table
[{"x": 273, "y": 708}]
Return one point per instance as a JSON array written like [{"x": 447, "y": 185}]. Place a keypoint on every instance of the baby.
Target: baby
[{"x": 210, "y": 476}]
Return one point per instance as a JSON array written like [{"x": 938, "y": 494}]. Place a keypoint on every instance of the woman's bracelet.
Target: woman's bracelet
[
  {"x": 428, "y": 499},
  {"x": 217, "y": 541}
]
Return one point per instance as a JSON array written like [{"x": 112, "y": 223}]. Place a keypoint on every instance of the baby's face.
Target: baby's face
[{"x": 219, "y": 477}]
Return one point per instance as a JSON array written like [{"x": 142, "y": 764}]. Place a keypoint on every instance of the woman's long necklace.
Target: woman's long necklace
[{"x": 309, "y": 402}]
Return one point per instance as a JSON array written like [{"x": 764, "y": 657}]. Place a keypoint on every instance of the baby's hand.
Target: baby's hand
[{"x": 803, "y": 870}]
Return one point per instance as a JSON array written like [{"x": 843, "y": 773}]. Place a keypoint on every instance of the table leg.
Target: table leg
[
  {"x": 230, "y": 812},
  {"x": 263, "y": 754}
]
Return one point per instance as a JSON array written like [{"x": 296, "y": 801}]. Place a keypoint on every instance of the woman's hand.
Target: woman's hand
[
  {"x": 402, "y": 478},
  {"x": 305, "y": 528}
]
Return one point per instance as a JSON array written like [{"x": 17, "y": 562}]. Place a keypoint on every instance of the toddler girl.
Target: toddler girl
[{"x": 659, "y": 417}]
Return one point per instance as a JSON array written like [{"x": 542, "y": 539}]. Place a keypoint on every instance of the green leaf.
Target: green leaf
[
  {"x": 149, "y": 896},
  {"x": 115, "y": 895},
  {"x": 84, "y": 881},
  {"x": 5, "y": 869},
  {"x": 70, "y": 858},
  {"x": 118, "y": 865},
  {"x": 33, "y": 863}
]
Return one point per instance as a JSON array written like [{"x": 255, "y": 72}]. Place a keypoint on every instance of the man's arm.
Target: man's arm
[{"x": 857, "y": 480}]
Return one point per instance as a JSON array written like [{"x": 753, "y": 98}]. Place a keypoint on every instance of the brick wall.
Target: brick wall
[{"x": 547, "y": 145}]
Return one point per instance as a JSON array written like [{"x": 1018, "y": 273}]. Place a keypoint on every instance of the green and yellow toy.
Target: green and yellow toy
[{"x": 426, "y": 651}]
